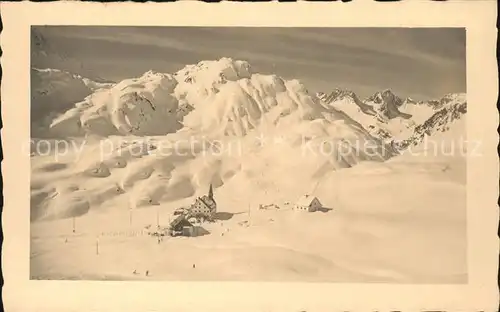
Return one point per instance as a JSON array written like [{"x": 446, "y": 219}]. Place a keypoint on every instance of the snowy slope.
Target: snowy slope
[
  {"x": 385, "y": 115},
  {"x": 350, "y": 100},
  {"x": 147, "y": 146},
  {"x": 387, "y": 104},
  {"x": 55, "y": 91},
  {"x": 258, "y": 121},
  {"x": 379, "y": 114},
  {"x": 441, "y": 121},
  {"x": 129, "y": 107},
  {"x": 394, "y": 231},
  {"x": 153, "y": 104}
]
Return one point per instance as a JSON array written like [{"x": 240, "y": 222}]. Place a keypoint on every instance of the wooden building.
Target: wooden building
[{"x": 308, "y": 203}]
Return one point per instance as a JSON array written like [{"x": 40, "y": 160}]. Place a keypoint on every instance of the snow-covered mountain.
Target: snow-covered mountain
[
  {"x": 274, "y": 123},
  {"x": 159, "y": 140},
  {"x": 389, "y": 117},
  {"x": 452, "y": 112},
  {"x": 387, "y": 105},
  {"x": 152, "y": 104},
  {"x": 55, "y": 91}
]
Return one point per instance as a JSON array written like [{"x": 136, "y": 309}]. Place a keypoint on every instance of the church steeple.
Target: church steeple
[{"x": 211, "y": 192}]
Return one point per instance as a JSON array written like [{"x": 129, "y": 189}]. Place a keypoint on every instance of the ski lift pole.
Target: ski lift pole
[
  {"x": 249, "y": 214},
  {"x": 130, "y": 216},
  {"x": 158, "y": 217}
]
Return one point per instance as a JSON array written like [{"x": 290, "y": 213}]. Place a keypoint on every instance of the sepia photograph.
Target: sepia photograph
[
  {"x": 250, "y": 157},
  {"x": 248, "y": 154}
]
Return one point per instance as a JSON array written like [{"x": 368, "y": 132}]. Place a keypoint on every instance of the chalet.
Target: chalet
[
  {"x": 308, "y": 203},
  {"x": 181, "y": 226},
  {"x": 204, "y": 206}
]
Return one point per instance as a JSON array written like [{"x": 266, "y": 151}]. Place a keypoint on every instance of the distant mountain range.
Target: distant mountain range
[{"x": 392, "y": 119}]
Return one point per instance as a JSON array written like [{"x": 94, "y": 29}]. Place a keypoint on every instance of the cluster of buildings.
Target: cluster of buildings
[{"x": 204, "y": 208}]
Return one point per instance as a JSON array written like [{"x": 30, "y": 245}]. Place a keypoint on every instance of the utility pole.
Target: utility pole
[
  {"x": 158, "y": 217},
  {"x": 74, "y": 224},
  {"x": 130, "y": 215},
  {"x": 130, "y": 207},
  {"x": 249, "y": 213}
]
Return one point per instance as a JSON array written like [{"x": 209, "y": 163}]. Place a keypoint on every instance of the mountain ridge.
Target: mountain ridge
[
  {"x": 395, "y": 119},
  {"x": 160, "y": 103},
  {"x": 268, "y": 120}
]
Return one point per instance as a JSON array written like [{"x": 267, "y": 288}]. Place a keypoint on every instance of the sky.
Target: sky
[{"x": 423, "y": 63}]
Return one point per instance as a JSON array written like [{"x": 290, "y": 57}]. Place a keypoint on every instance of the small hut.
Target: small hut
[
  {"x": 181, "y": 226},
  {"x": 308, "y": 203}
]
